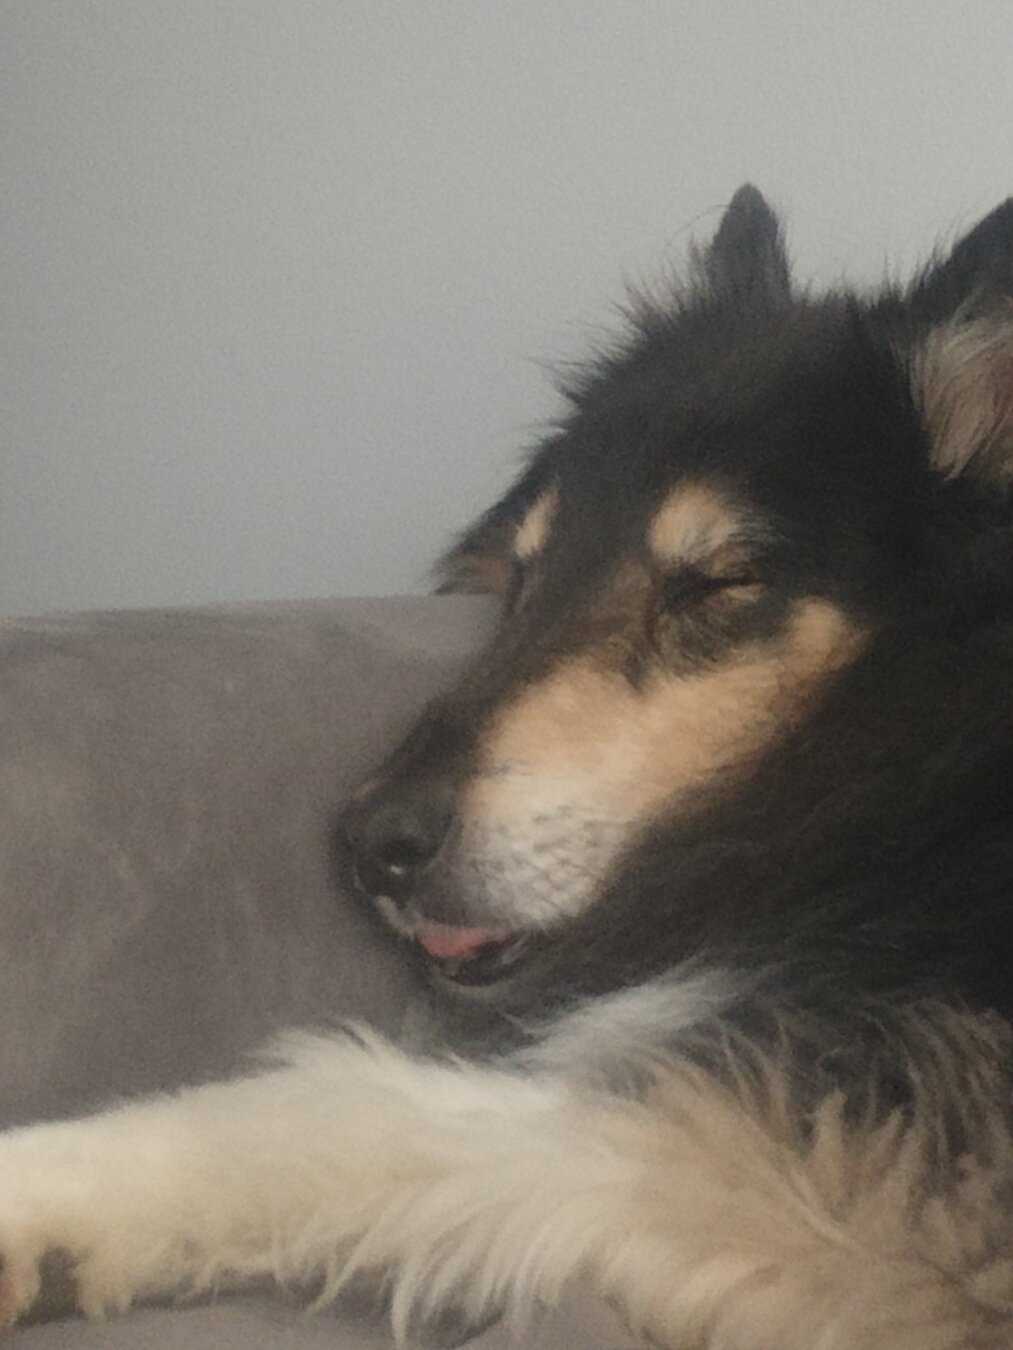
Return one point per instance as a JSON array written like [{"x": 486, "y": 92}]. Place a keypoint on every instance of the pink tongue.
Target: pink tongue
[{"x": 447, "y": 943}]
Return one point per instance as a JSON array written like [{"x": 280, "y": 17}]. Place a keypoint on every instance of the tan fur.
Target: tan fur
[
  {"x": 754, "y": 1231},
  {"x": 692, "y": 523},
  {"x": 486, "y": 573},
  {"x": 634, "y": 748},
  {"x": 696, "y": 527},
  {"x": 533, "y": 531},
  {"x": 963, "y": 383}
]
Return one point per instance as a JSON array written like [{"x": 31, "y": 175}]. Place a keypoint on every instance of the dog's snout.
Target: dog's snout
[{"x": 391, "y": 839}]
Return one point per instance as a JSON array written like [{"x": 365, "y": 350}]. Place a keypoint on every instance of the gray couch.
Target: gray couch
[{"x": 167, "y": 785}]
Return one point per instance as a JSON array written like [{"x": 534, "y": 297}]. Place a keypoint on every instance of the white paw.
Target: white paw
[
  {"x": 67, "y": 1240},
  {"x": 46, "y": 1272},
  {"x": 21, "y": 1253}
]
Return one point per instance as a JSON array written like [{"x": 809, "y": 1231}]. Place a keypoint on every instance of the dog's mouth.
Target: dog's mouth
[{"x": 469, "y": 956}]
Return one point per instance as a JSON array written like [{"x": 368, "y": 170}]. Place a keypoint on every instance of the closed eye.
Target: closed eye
[{"x": 690, "y": 586}]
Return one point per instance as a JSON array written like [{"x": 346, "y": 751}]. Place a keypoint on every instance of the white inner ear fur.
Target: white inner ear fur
[
  {"x": 534, "y": 529},
  {"x": 963, "y": 384}
]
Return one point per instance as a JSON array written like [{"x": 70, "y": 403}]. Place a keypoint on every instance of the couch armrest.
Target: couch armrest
[{"x": 167, "y": 786}]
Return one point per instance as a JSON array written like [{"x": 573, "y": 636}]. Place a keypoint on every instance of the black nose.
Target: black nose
[{"x": 393, "y": 837}]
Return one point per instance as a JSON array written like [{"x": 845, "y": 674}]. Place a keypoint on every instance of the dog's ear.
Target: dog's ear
[
  {"x": 963, "y": 384},
  {"x": 977, "y": 272},
  {"x": 746, "y": 258},
  {"x": 962, "y": 363},
  {"x": 483, "y": 561}
]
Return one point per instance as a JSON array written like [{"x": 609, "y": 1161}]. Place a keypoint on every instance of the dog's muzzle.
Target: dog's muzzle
[{"x": 397, "y": 840}]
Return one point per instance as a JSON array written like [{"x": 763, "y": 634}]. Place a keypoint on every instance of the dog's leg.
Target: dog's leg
[
  {"x": 347, "y": 1155},
  {"x": 482, "y": 1188}
]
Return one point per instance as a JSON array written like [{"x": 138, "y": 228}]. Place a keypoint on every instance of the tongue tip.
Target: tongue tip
[{"x": 446, "y": 943}]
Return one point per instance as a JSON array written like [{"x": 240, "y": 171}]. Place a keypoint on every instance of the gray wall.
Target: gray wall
[{"x": 279, "y": 276}]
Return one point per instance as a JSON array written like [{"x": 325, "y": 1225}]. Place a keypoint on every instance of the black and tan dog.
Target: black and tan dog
[{"x": 717, "y": 836}]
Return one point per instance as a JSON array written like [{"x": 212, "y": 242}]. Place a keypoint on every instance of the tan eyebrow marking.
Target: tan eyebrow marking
[
  {"x": 534, "y": 529},
  {"x": 692, "y": 524}
]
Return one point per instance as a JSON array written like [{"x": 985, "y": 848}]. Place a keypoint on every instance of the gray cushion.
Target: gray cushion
[{"x": 168, "y": 782}]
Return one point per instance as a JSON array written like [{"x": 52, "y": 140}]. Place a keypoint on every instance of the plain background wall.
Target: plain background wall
[{"x": 278, "y": 277}]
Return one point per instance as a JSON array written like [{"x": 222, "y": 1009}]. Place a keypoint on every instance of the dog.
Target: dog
[{"x": 709, "y": 857}]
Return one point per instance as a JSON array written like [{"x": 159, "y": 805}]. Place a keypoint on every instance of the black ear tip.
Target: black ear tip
[
  {"x": 978, "y": 269},
  {"x": 994, "y": 229},
  {"x": 750, "y": 212},
  {"x": 749, "y": 200},
  {"x": 1002, "y": 214},
  {"x": 749, "y": 215},
  {"x": 746, "y": 256}
]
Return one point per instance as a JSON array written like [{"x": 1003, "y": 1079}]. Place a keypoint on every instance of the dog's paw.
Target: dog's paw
[
  {"x": 21, "y": 1253},
  {"x": 68, "y": 1240},
  {"x": 44, "y": 1274},
  {"x": 37, "y": 1284}
]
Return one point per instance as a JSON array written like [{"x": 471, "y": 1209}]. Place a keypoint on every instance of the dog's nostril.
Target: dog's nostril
[
  {"x": 390, "y": 868},
  {"x": 391, "y": 843}
]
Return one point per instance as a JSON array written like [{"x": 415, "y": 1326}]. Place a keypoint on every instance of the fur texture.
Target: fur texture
[{"x": 709, "y": 857}]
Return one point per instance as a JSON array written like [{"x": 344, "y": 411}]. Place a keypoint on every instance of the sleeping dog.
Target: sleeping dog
[{"x": 714, "y": 847}]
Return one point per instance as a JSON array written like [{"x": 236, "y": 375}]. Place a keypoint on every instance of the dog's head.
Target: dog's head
[{"x": 743, "y": 495}]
